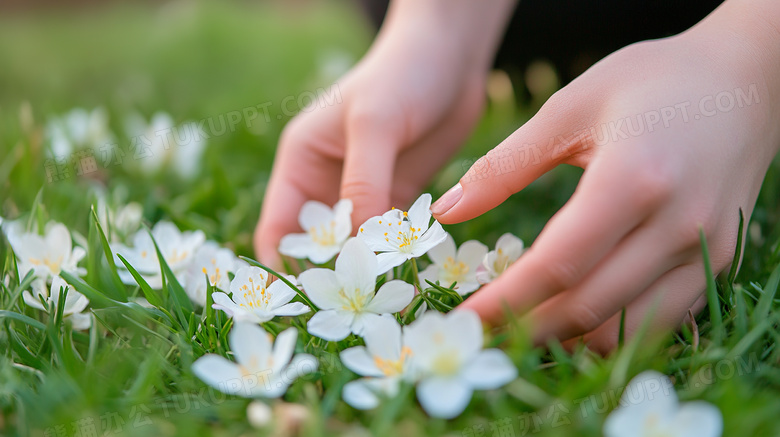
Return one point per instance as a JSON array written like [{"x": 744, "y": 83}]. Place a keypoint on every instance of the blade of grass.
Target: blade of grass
[
  {"x": 29, "y": 321},
  {"x": 121, "y": 294},
  {"x": 764, "y": 305},
  {"x": 713, "y": 302},
  {"x": 182, "y": 304}
]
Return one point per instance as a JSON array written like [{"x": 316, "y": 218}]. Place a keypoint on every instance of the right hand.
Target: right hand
[{"x": 404, "y": 110}]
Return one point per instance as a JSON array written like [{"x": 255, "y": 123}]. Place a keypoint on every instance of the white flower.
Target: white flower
[
  {"x": 161, "y": 143},
  {"x": 253, "y": 301},
  {"x": 212, "y": 262},
  {"x": 46, "y": 255},
  {"x": 649, "y": 407},
  {"x": 259, "y": 414},
  {"x": 75, "y": 302},
  {"x": 120, "y": 222},
  {"x": 458, "y": 266},
  {"x": 399, "y": 236},
  {"x": 78, "y": 129},
  {"x": 326, "y": 231},
  {"x": 260, "y": 370},
  {"x": 383, "y": 360},
  {"x": 346, "y": 296},
  {"x": 508, "y": 250},
  {"x": 449, "y": 360},
  {"x": 177, "y": 249}
]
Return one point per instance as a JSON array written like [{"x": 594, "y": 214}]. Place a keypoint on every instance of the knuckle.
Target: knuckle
[
  {"x": 561, "y": 274},
  {"x": 371, "y": 115},
  {"x": 652, "y": 186},
  {"x": 583, "y": 317}
]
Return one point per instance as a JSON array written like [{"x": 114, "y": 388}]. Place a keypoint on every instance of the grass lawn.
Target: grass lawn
[{"x": 245, "y": 69}]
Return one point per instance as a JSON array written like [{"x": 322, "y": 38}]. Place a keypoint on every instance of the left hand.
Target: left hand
[{"x": 629, "y": 236}]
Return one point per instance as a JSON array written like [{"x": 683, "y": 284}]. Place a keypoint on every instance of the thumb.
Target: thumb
[
  {"x": 534, "y": 149},
  {"x": 372, "y": 146}
]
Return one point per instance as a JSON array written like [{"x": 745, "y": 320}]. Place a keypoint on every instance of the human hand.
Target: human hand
[
  {"x": 404, "y": 110},
  {"x": 629, "y": 236}
]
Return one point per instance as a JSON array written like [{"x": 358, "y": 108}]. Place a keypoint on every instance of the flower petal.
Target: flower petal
[
  {"x": 219, "y": 373},
  {"x": 356, "y": 266},
  {"x": 392, "y": 297},
  {"x": 434, "y": 236},
  {"x": 510, "y": 245},
  {"x": 384, "y": 338},
  {"x": 331, "y": 325},
  {"x": 292, "y": 309},
  {"x": 443, "y": 397},
  {"x": 250, "y": 344},
  {"x": 283, "y": 349},
  {"x": 296, "y": 245},
  {"x": 489, "y": 370},
  {"x": 313, "y": 214},
  {"x": 223, "y": 302},
  {"x": 360, "y": 361},
  {"x": 420, "y": 211},
  {"x": 442, "y": 251},
  {"x": 323, "y": 287},
  {"x": 388, "y": 260},
  {"x": 280, "y": 294},
  {"x": 471, "y": 253},
  {"x": 358, "y": 394},
  {"x": 698, "y": 419},
  {"x": 81, "y": 321}
]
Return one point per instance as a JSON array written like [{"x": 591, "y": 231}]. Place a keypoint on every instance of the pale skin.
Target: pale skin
[{"x": 629, "y": 236}]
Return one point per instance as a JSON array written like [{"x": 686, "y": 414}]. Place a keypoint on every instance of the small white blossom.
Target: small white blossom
[
  {"x": 508, "y": 250},
  {"x": 451, "y": 265},
  {"x": 649, "y": 407},
  {"x": 119, "y": 222},
  {"x": 253, "y": 301},
  {"x": 163, "y": 143},
  {"x": 46, "y": 255},
  {"x": 177, "y": 249},
  {"x": 449, "y": 361},
  {"x": 262, "y": 369},
  {"x": 213, "y": 263},
  {"x": 384, "y": 361},
  {"x": 326, "y": 231},
  {"x": 259, "y": 414},
  {"x": 399, "y": 236},
  {"x": 346, "y": 296},
  {"x": 75, "y": 302},
  {"x": 78, "y": 129}
]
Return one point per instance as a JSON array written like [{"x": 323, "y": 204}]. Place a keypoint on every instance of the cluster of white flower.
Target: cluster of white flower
[
  {"x": 441, "y": 354},
  {"x": 373, "y": 291},
  {"x": 154, "y": 144},
  {"x": 46, "y": 256}
]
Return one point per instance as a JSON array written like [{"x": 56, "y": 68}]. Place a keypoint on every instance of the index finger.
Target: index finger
[{"x": 603, "y": 210}]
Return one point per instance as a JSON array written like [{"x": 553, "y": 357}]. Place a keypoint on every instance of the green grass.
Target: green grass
[{"x": 131, "y": 371}]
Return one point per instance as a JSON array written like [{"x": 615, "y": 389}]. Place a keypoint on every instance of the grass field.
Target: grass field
[{"x": 249, "y": 68}]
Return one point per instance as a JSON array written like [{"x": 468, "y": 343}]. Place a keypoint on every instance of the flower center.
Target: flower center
[
  {"x": 406, "y": 236},
  {"x": 53, "y": 266},
  {"x": 251, "y": 297},
  {"x": 355, "y": 303},
  {"x": 501, "y": 262},
  {"x": 653, "y": 428},
  {"x": 393, "y": 367},
  {"x": 447, "y": 363},
  {"x": 324, "y": 235},
  {"x": 177, "y": 256},
  {"x": 454, "y": 271}
]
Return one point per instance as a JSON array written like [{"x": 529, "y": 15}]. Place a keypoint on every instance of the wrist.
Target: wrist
[{"x": 464, "y": 32}]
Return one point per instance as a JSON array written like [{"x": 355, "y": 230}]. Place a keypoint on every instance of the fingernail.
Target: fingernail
[{"x": 448, "y": 200}]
